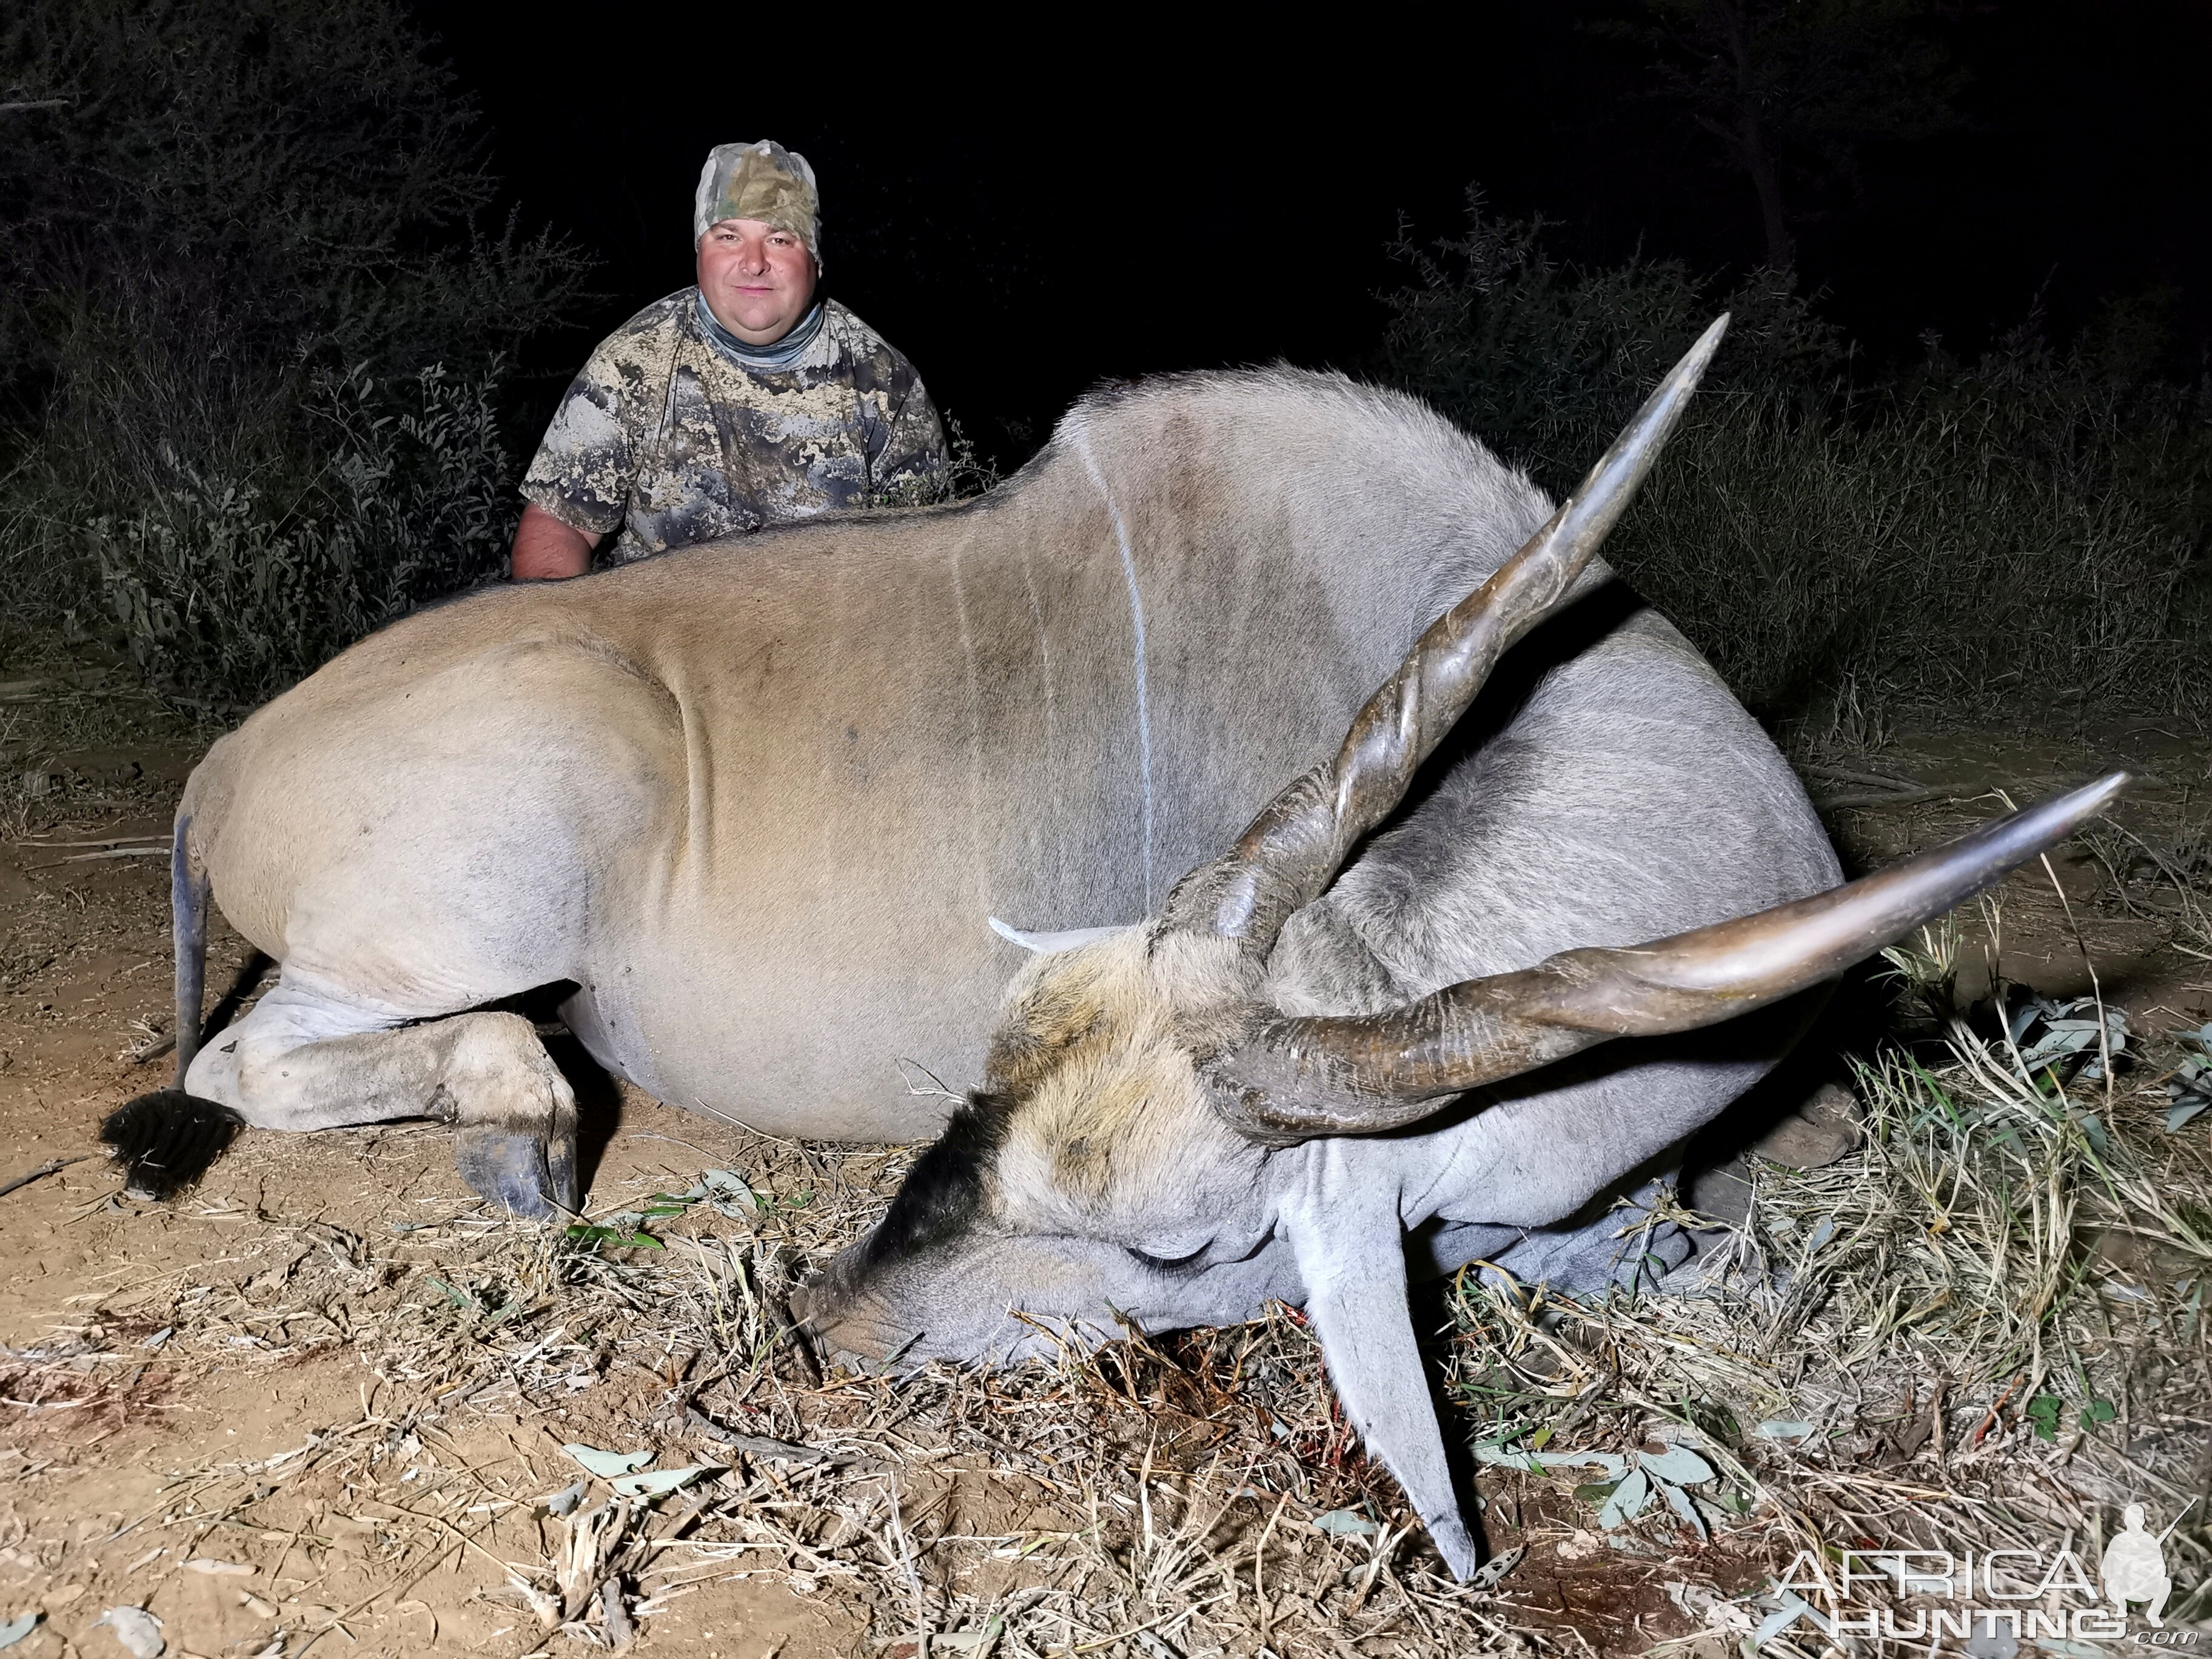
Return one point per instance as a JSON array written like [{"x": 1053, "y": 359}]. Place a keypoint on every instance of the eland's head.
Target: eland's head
[{"x": 1157, "y": 1144}]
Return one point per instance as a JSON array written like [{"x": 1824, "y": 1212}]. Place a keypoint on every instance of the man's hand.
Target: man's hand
[{"x": 546, "y": 550}]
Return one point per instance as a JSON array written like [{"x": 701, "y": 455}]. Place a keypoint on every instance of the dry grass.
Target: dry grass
[
  {"x": 1988, "y": 1316},
  {"x": 1164, "y": 1490}
]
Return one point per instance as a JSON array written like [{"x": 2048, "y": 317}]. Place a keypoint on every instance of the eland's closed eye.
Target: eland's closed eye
[{"x": 1168, "y": 1264}]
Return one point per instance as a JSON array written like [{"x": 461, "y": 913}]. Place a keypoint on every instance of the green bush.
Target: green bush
[
  {"x": 234, "y": 589},
  {"x": 253, "y": 336},
  {"x": 2034, "y": 523}
]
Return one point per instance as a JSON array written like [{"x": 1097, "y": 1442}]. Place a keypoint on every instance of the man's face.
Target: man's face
[{"x": 758, "y": 281}]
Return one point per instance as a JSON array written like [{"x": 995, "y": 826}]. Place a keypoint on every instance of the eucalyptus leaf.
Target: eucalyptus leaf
[
  {"x": 727, "y": 1192},
  {"x": 1775, "y": 1623},
  {"x": 565, "y": 1502},
  {"x": 1779, "y": 1428},
  {"x": 607, "y": 1464},
  {"x": 1345, "y": 1523},
  {"x": 2067, "y": 1033},
  {"x": 658, "y": 1481},
  {"x": 1678, "y": 1464},
  {"x": 2190, "y": 1086},
  {"x": 620, "y": 1237},
  {"x": 1682, "y": 1506},
  {"x": 1613, "y": 1463},
  {"x": 1630, "y": 1500},
  {"x": 16, "y": 1629},
  {"x": 1492, "y": 1572}
]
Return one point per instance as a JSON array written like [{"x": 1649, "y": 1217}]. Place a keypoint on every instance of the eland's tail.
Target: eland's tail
[{"x": 168, "y": 1139}]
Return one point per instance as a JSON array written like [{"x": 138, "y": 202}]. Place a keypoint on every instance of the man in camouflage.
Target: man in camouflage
[{"x": 743, "y": 401}]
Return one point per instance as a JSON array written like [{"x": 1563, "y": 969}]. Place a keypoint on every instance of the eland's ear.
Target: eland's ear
[
  {"x": 1044, "y": 943},
  {"x": 1352, "y": 1254}
]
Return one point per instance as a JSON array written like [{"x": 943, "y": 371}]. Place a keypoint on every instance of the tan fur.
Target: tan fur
[
  {"x": 757, "y": 799},
  {"x": 1095, "y": 1059}
]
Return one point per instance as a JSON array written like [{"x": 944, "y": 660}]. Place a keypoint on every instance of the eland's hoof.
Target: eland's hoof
[{"x": 532, "y": 1175}]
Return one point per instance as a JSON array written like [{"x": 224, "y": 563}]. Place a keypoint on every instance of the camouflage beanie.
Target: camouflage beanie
[{"x": 763, "y": 181}]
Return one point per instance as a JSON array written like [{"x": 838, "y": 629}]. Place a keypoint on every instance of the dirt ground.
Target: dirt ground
[{"x": 211, "y": 1411}]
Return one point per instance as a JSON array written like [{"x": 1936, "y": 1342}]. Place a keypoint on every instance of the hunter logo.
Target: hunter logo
[
  {"x": 1993, "y": 1599},
  {"x": 2134, "y": 1568}
]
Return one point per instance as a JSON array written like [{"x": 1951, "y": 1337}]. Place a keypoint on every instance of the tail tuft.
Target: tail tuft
[{"x": 166, "y": 1139}]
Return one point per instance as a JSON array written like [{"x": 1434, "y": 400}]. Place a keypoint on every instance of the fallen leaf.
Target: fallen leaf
[
  {"x": 966, "y": 1641},
  {"x": 564, "y": 1502},
  {"x": 1678, "y": 1464},
  {"x": 219, "y": 1569},
  {"x": 623, "y": 1237},
  {"x": 1613, "y": 1463},
  {"x": 1345, "y": 1524},
  {"x": 1793, "y": 1609},
  {"x": 1679, "y": 1500},
  {"x": 16, "y": 1629},
  {"x": 607, "y": 1464},
  {"x": 662, "y": 1480},
  {"x": 2071, "y": 1032},
  {"x": 730, "y": 1194},
  {"x": 1630, "y": 1500},
  {"x": 1492, "y": 1572}
]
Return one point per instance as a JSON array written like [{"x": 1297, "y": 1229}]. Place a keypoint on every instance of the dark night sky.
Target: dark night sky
[{"x": 1025, "y": 232}]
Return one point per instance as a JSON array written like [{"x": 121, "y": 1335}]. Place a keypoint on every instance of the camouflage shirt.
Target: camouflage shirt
[{"x": 668, "y": 438}]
